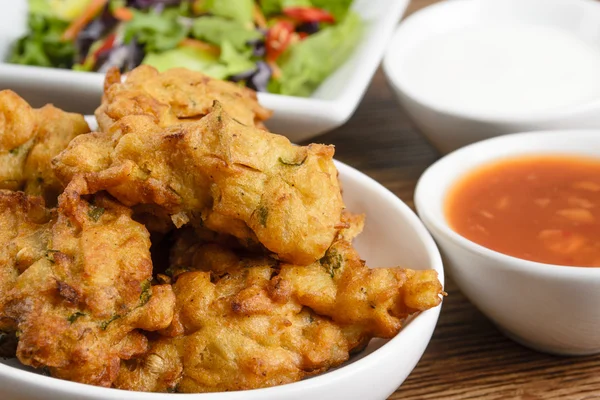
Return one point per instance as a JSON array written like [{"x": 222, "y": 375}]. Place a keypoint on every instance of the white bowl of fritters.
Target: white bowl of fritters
[
  {"x": 331, "y": 105},
  {"x": 393, "y": 235}
]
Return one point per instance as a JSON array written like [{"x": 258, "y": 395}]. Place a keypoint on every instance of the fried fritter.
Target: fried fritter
[
  {"x": 203, "y": 250},
  {"x": 18, "y": 125},
  {"x": 78, "y": 309},
  {"x": 339, "y": 285},
  {"x": 233, "y": 334},
  {"x": 17, "y": 121},
  {"x": 29, "y": 139},
  {"x": 343, "y": 288},
  {"x": 23, "y": 240},
  {"x": 242, "y": 321},
  {"x": 174, "y": 96},
  {"x": 353, "y": 225},
  {"x": 56, "y": 129},
  {"x": 218, "y": 173}
]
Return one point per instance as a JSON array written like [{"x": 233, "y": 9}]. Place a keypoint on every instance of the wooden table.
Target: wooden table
[{"x": 467, "y": 358}]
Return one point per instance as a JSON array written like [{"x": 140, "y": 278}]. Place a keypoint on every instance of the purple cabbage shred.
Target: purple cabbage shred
[
  {"x": 308, "y": 27},
  {"x": 146, "y": 4},
  {"x": 259, "y": 80}
]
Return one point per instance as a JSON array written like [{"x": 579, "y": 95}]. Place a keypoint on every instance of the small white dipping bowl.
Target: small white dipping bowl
[
  {"x": 551, "y": 308},
  {"x": 447, "y": 126},
  {"x": 393, "y": 236}
]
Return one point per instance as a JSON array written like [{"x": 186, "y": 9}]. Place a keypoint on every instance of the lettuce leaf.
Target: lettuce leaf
[
  {"x": 187, "y": 57},
  {"x": 66, "y": 9},
  {"x": 234, "y": 61},
  {"x": 43, "y": 45},
  {"x": 238, "y": 10},
  {"x": 158, "y": 32},
  {"x": 307, "y": 63},
  {"x": 217, "y": 30},
  {"x": 229, "y": 63},
  {"x": 271, "y": 7},
  {"x": 338, "y": 8},
  {"x": 40, "y": 7}
]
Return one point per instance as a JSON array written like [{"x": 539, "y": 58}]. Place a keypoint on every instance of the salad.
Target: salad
[{"x": 280, "y": 46}]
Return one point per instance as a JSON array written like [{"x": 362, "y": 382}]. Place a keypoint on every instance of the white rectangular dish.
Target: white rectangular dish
[{"x": 298, "y": 118}]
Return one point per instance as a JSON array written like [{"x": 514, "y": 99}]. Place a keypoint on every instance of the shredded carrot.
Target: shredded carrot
[
  {"x": 259, "y": 17},
  {"x": 199, "y": 44},
  {"x": 123, "y": 14},
  {"x": 86, "y": 16}
]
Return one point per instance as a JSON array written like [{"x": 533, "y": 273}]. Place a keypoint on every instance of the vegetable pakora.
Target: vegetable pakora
[
  {"x": 24, "y": 239},
  {"x": 77, "y": 312},
  {"x": 233, "y": 335},
  {"x": 220, "y": 174},
  {"x": 29, "y": 139},
  {"x": 173, "y": 97},
  {"x": 242, "y": 321}
]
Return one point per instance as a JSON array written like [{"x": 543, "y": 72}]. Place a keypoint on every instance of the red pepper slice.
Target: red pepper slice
[
  {"x": 278, "y": 39},
  {"x": 308, "y": 14},
  {"x": 108, "y": 43}
]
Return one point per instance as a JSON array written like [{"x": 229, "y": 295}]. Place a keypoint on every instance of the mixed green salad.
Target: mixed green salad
[{"x": 281, "y": 46}]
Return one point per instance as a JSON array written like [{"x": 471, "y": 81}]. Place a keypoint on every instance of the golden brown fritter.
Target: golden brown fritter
[
  {"x": 374, "y": 301},
  {"x": 17, "y": 121},
  {"x": 78, "y": 309},
  {"x": 203, "y": 250},
  {"x": 29, "y": 139},
  {"x": 343, "y": 288},
  {"x": 18, "y": 125},
  {"x": 23, "y": 240},
  {"x": 353, "y": 225},
  {"x": 218, "y": 173},
  {"x": 242, "y": 322},
  {"x": 234, "y": 334},
  {"x": 174, "y": 96},
  {"x": 56, "y": 129}
]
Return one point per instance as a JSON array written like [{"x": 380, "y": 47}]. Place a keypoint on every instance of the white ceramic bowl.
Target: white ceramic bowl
[
  {"x": 393, "y": 235},
  {"x": 449, "y": 128},
  {"x": 298, "y": 118},
  {"x": 551, "y": 308}
]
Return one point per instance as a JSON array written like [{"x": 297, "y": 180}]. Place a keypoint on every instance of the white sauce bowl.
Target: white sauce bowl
[
  {"x": 451, "y": 125},
  {"x": 551, "y": 308}
]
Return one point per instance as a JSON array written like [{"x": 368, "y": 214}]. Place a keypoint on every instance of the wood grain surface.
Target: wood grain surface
[{"x": 468, "y": 358}]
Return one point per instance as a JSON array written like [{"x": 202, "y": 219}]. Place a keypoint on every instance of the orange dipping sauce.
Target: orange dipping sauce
[{"x": 538, "y": 208}]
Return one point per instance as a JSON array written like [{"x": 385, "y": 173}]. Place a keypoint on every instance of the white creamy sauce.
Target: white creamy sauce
[{"x": 504, "y": 69}]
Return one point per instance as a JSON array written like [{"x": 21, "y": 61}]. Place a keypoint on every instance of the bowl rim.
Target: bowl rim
[
  {"x": 419, "y": 322},
  {"x": 421, "y": 18},
  {"x": 440, "y": 226}
]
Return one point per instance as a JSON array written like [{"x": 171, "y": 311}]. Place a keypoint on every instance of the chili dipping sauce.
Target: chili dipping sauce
[{"x": 538, "y": 208}]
